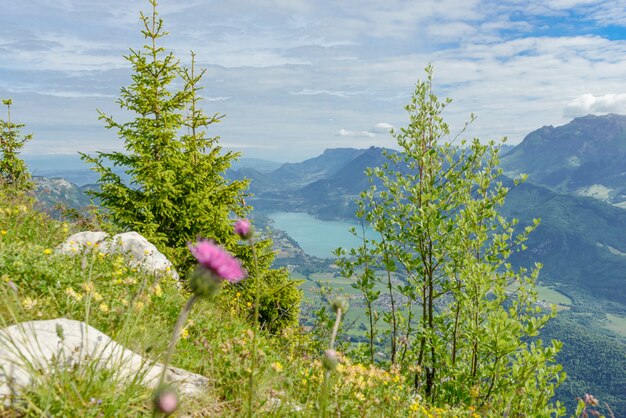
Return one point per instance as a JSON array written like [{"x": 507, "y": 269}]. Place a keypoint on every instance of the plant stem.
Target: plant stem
[
  {"x": 182, "y": 318},
  {"x": 256, "y": 329},
  {"x": 333, "y": 336}
]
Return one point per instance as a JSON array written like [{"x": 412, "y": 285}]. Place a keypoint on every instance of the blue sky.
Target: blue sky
[{"x": 297, "y": 76}]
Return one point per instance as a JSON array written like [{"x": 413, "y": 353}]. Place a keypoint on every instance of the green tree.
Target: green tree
[
  {"x": 467, "y": 323},
  {"x": 13, "y": 170},
  {"x": 176, "y": 190}
]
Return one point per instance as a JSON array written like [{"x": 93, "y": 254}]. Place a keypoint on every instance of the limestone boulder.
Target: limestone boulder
[
  {"x": 30, "y": 349},
  {"x": 139, "y": 252}
]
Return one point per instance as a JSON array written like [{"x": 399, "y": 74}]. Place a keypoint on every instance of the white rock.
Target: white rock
[
  {"x": 80, "y": 241},
  {"x": 28, "y": 350},
  {"x": 134, "y": 246},
  {"x": 141, "y": 253}
]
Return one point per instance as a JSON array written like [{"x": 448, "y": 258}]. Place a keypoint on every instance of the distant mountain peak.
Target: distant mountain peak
[{"x": 588, "y": 153}]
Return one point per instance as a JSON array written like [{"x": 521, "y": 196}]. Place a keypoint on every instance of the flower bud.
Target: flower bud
[
  {"x": 340, "y": 303},
  {"x": 165, "y": 400},
  {"x": 203, "y": 282},
  {"x": 243, "y": 228},
  {"x": 330, "y": 360}
]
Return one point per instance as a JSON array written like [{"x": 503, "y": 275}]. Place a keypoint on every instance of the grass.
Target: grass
[
  {"x": 616, "y": 323},
  {"x": 139, "y": 311},
  {"x": 551, "y": 295}
]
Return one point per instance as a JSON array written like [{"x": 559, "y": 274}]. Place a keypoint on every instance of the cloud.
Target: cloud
[
  {"x": 316, "y": 92},
  {"x": 356, "y": 134},
  {"x": 382, "y": 127},
  {"x": 588, "y": 103},
  {"x": 216, "y": 98}
]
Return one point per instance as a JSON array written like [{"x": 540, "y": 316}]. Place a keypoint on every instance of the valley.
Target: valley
[{"x": 307, "y": 208}]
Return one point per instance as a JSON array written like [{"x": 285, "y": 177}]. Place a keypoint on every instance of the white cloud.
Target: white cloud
[
  {"x": 316, "y": 92},
  {"x": 356, "y": 134},
  {"x": 216, "y": 99},
  {"x": 588, "y": 103},
  {"x": 382, "y": 127}
]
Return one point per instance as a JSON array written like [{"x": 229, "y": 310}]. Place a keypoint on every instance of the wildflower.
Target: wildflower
[
  {"x": 3, "y": 232},
  {"x": 87, "y": 287},
  {"x": 249, "y": 304},
  {"x": 47, "y": 251},
  {"x": 217, "y": 261},
  {"x": 184, "y": 334},
  {"x": 165, "y": 400},
  {"x": 243, "y": 228},
  {"x": 29, "y": 303},
  {"x": 72, "y": 293},
  {"x": 104, "y": 308},
  {"x": 158, "y": 292},
  {"x": 277, "y": 366}
]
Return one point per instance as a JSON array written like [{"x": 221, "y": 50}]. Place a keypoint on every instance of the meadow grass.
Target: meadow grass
[{"x": 139, "y": 310}]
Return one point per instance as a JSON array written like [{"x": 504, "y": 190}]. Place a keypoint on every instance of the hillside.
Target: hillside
[{"x": 586, "y": 157}]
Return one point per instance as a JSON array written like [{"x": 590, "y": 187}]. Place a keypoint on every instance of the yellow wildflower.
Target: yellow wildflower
[
  {"x": 158, "y": 291},
  {"x": 72, "y": 293},
  {"x": 3, "y": 232},
  {"x": 29, "y": 303},
  {"x": 47, "y": 251},
  {"x": 87, "y": 287},
  {"x": 184, "y": 334},
  {"x": 277, "y": 366},
  {"x": 104, "y": 307}
]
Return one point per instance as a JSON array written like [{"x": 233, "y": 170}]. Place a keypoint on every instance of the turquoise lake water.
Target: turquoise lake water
[{"x": 316, "y": 237}]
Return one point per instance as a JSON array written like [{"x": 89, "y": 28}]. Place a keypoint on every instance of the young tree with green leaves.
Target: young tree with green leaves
[
  {"x": 13, "y": 170},
  {"x": 462, "y": 322},
  {"x": 176, "y": 189}
]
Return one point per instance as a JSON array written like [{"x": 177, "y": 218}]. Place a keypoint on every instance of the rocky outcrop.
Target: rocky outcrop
[
  {"x": 36, "y": 348},
  {"x": 134, "y": 246}
]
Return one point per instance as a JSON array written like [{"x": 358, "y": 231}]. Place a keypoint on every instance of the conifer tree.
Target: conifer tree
[
  {"x": 463, "y": 323},
  {"x": 13, "y": 170},
  {"x": 176, "y": 190}
]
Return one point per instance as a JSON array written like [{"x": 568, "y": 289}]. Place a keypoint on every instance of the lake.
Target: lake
[{"x": 316, "y": 237}]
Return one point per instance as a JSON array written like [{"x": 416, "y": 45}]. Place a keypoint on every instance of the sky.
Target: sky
[{"x": 294, "y": 77}]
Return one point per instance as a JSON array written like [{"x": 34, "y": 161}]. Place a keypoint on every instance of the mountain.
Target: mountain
[
  {"x": 586, "y": 157},
  {"x": 292, "y": 176},
  {"x": 53, "y": 194}
]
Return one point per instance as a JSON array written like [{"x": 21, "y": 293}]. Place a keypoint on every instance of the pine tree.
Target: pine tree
[
  {"x": 13, "y": 171},
  {"x": 463, "y": 323},
  {"x": 176, "y": 190}
]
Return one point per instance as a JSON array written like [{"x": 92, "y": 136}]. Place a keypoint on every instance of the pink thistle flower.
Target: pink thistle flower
[
  {"x": 243, "y": 228},
  {"x": 218, "y": 261}
]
